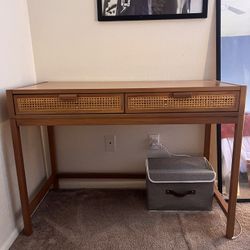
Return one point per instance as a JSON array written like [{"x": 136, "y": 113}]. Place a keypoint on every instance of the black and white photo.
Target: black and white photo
[{"x": 111, "y": 10}]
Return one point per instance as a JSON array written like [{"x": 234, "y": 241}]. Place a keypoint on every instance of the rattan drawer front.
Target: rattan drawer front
[
  {"x": 182, "y": 102},
  {"x": 54, "y": 104}
]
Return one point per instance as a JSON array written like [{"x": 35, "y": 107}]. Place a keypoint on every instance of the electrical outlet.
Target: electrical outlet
[
  {"x": 154, "y": 141},
  {"x": 110, "y": 143}
]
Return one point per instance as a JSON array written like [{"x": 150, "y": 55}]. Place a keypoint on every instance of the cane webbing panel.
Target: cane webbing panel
[
  {"x": 81, "y": 104},
  {"x": 168, "y": 102}
]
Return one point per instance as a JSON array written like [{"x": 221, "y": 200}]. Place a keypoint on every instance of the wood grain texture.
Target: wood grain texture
[
  {"x": 139, "y": 119},
  {"x": 207, "y": 141},
  {"x": 10, "y": 103},
  {"x": 235, "y": 167},
  {"x": 16, "y": 137},
  {"x": 117, "y": 86},
  {"x": 52, "y": 151},
  {"x": 40, "y": 194},
  {"x": 221, "y": 201}
]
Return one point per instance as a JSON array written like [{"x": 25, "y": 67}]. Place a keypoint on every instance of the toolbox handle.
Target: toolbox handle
[{"x": 172, "y": 192}]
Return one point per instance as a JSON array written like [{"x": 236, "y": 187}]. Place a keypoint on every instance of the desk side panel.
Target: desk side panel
[{"x": 10, "y": 103}]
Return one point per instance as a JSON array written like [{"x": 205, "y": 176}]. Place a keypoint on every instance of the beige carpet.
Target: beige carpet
[{"x": 118, "y": 219}]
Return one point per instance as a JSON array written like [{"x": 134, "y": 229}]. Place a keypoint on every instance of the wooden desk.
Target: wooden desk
[{"x": 103, "y": 103}]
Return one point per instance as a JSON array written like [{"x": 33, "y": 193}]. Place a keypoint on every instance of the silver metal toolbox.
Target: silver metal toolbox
[{"x": 179, "y": 183}]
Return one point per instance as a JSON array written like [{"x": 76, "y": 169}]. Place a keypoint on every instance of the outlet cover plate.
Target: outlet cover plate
[{"x": 154, "y": 138}]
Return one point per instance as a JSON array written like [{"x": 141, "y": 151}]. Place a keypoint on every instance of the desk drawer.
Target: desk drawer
[
  {"x": 69, "y": 103},
  {"x": 182, "y": 102}
]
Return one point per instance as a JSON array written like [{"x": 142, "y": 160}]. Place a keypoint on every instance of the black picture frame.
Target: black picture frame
[{"x": 142, "y": 15}]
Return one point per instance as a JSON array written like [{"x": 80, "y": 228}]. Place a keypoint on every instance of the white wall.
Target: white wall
[
  {"x": 70, "y": 44},
  {"x": 233, "y": 24},
  {"x": 16, "y": 68}
]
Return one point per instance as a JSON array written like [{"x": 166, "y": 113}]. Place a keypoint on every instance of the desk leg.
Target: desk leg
[
  {"x": 16, "y": 137},
  {"x": 234, "y": 179},
  {"x": 207, "y": 141},
  {"x": 52, "y": 150}
]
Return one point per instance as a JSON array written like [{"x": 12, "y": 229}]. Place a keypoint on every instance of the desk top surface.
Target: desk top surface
[{"x": 132, "y": 85}]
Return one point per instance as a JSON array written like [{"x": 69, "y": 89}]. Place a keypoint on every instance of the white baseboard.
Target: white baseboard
[
  {"x": 7, "y": 244},
  {"x": 10, "y": 240}
]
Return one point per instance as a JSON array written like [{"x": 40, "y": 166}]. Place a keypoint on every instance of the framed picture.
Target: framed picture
[{"x": 118, "y": 10}]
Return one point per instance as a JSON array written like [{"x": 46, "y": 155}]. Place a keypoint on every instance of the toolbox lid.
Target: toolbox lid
[{"x": 179, "y": 169}]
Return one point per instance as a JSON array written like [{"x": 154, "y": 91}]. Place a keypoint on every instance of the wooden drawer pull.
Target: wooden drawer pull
[
  {"x": 68, "y": 97},
  {"x": 182, "y": 95}
]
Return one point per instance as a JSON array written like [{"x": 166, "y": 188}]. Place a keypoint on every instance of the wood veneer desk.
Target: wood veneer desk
[{"x": 86, "y": 103}]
